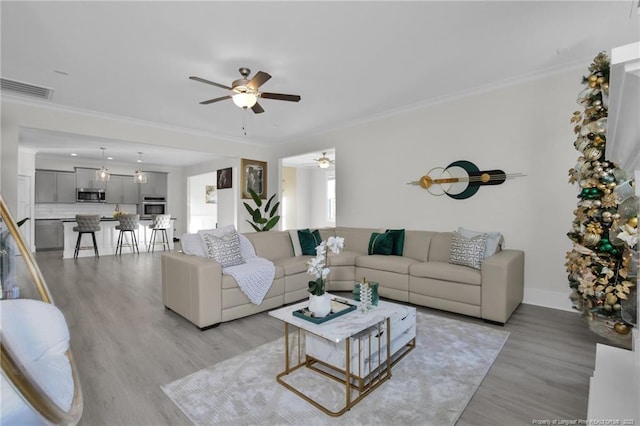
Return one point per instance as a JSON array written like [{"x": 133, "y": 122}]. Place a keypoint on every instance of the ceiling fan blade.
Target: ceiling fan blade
[
  {"x": 258, "y": 80},
  {"x": 280, "y": 97},
  {"x": 210, "y": 101},
  {"x": 202, "y": 80},
  {"x": 257, "y": 108}
]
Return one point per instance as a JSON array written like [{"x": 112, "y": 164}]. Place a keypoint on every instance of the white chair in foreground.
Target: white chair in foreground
[{"x": 39, "y": 383}]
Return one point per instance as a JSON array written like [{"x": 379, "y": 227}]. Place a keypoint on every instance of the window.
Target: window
[{"x": 331, "y": 198}]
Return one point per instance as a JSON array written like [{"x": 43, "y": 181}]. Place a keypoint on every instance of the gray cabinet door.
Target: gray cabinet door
[
  {"x": 49, "y": 235},
  {"x": 45, "y": 186},
  {"x": 130, "y": 190},
  {"x": 113, "y": 192},
  {"x": 65, "y": 187},
  {"x": 86, "y": 178},
  {"x": 156, "y": 184}
]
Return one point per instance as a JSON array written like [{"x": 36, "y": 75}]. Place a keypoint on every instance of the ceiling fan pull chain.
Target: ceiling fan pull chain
[{"x": 244, "y": 121}]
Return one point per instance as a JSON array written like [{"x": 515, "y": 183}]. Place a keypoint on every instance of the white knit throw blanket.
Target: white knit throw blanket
[{"x": 254, "y": 277}]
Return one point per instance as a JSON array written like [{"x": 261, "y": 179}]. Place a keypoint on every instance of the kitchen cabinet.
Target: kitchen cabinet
[
  {"x": 121, "y": 189},
  {"x": 55, "y": 186},
  {"x": 130, "y": 190},
  {"x": 156, "y": 184},
  {"x": 86, "y": 178},
  {"x": 49, "y": 234}
]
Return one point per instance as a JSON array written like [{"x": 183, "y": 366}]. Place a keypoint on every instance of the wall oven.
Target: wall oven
[
  {"x": 151, "y": 205},
  {"x": 90, "y": 195}
]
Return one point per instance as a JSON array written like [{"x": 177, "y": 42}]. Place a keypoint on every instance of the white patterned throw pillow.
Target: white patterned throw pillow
[
  {"x": 224, "y": 249},
  {"x": 467, "y": 251},
  {"x": 495, "y": 240}
]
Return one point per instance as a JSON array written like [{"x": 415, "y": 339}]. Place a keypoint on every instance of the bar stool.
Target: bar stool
[
  {"x": 128, "y": 223},
  {"x": 87, "y": 224},
  {"x": 161, "y": 222}
]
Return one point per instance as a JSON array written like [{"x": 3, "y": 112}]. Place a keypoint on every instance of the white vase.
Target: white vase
[{"x": 320, "y": 306}]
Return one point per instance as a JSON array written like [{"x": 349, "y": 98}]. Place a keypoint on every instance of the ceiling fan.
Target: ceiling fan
[
  {"x": 324, "y": 162},
  {"x": 245, "y": 93}
]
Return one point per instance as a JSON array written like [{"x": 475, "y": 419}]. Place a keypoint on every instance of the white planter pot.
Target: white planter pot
[{"x": 320, "y": 306}]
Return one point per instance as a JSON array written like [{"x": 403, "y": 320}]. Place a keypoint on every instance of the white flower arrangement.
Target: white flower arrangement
[{"x": 316, "y": 266}]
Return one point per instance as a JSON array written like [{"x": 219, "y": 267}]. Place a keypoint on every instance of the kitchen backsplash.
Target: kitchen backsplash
[{"x": 68, "y": 211}]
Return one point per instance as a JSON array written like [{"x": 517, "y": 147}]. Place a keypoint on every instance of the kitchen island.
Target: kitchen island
[{"x": 107, "y": 238}]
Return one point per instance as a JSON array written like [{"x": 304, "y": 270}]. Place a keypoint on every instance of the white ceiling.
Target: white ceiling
[{"x": 349, "y": 61}]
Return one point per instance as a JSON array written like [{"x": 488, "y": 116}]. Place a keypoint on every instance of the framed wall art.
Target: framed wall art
[
  {"x": 211, "y": 195},
  {"x": 253, "y": 176},
  {"x": 224, "y": 178}
]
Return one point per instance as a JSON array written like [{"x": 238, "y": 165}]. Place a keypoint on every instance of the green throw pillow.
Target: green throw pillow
[
  {"x": 309, "y": 241},
  {"x": 398, "y": 241},
  {"x": 380, "y": 243}
]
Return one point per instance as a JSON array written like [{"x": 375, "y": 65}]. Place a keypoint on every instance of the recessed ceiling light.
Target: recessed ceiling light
[
  {"x": 109, "y": 158},
  {"x": 73, "y": 154}
]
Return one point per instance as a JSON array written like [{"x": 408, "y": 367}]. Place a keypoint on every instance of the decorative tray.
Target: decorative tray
[{"x": 338, "y": 308}]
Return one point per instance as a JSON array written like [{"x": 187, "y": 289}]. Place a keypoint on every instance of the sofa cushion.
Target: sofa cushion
[
  {"x": 416, "y": 244},
  {"x": 397, "y": 264},
  {"x": 398, "y": 240},
  {"x": 440, "y": 247},
  {"x": 293, "y": 265},
  {"x": 380, "y": 243},
  {"x": 467, "y": 251},
  {"x": 192, "y": 244},
  {"x": 271, "y": 245},
  {"x": 344, "y": 258},
  {"x": 309, "y": 241},
  {"x": 446, "y": 272},
  {"x": 356, "y": 239}
]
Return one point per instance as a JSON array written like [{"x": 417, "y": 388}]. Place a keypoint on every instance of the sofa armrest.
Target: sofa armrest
[
  {"x": 502, "y": 284},
  {"x": 192, "y": 287}
]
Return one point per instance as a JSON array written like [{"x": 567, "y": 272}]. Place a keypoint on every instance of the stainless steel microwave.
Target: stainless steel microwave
[
  {"x": 90, "y": 195},
  {"x": 152, "y": 205}
]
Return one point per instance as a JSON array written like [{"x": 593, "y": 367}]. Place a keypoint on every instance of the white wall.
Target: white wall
[
  {"x": 202, "y": 215},
  {"x": 522, "y": 128}
]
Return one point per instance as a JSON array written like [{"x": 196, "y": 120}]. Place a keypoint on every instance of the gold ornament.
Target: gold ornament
[
  {"x": 611, "y": 299},
  {"x": 593, "y": 78},
  {"x": 621, "y": 328},
  {"x": 592, "y": 153},
  {"x": 591, "y": 239},
  {"x": 633, "y": 222}
]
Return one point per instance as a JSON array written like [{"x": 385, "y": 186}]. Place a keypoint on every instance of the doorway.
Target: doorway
[
  {"x": 24, "y": 210},
  {"x": 308, "y": 190},
  {"x": 202, "y": 202}
]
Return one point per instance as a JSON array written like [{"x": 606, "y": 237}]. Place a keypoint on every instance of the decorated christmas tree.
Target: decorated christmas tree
[{"x": 602, "y": 265}]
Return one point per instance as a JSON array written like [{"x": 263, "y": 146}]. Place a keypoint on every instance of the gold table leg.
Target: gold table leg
[{"x": 363, "y": 388}]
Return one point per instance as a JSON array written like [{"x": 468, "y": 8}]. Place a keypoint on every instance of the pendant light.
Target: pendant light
[
  {"x": 103, "y": 174},
  {"x": 139, "y": 176}
]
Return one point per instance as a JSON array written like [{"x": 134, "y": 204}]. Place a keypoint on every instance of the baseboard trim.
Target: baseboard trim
[{"x": 549, "y": 299}]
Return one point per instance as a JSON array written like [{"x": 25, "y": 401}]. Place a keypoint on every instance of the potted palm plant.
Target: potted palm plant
[{"x": 262, "y": 220}]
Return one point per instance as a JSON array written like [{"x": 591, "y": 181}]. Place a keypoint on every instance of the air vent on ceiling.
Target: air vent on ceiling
[{"x": 27, "y": 89}]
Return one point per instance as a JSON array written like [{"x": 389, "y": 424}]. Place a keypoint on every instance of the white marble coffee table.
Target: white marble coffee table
[{"x": 358, "y": 348}]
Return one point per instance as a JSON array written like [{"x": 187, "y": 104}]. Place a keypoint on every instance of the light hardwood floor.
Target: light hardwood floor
[{"x": 127, "y": 345}]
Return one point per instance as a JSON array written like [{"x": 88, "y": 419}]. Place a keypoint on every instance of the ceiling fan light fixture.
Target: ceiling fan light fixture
[
  {"x": 324, "y": 163},
  {"x": 245, "y": 100}
]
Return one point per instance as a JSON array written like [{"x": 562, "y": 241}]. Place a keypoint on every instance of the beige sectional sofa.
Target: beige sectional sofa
[{"x": 196, "y": 288}]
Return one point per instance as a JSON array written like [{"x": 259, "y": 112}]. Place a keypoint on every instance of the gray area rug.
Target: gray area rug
[{"x": 432, "y": 385}]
